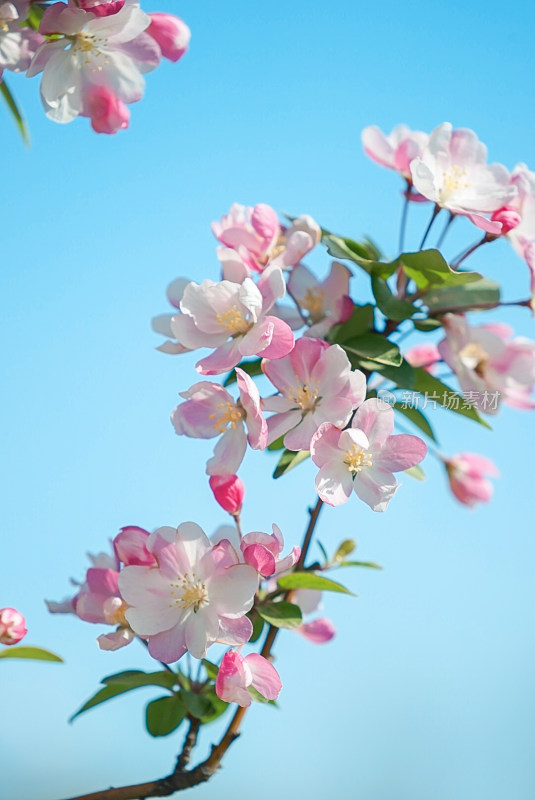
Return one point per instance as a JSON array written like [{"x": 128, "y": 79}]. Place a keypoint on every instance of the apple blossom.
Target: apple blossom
[
  {"x": 395, "y": 150},
  {"x": 423, "y": 355},
  {"x": 467, "y": 474},
  {"x": 326, "y": 303},
  {"x": 237, "y": 673},
  {"x": 319, "y": 630},
  {"x": 452, "y": 172},
  {"x": 316, "y": 385},
  {"x": 363, "y": 457},
  {"x": 12, "y": 626},
  {"x": 107, "y": 113},
  {"x": 209, "y": 410},
  {"x": 195, "y": 595},
  {"x": 17, "y": 43},
  {"x": 489, "y": 365},
  {"x": 262, "y": 551},
  {"x": 171, "y": 34},
  {"x": 233, "y": 318},
  {"x": 229, "y": 492}
]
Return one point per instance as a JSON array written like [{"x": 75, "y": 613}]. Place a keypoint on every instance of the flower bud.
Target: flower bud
[
  {"x": 12, "y": 626},
  {"x": 170, "y": 33},
  {"x": 101, "y": 8},
  {"x": 508, "y": 216},
  {"x": 467, "y": 476},
  {"x": 229, "y": 492},
  {"x": 108, "y": 114},
  {"x": 130, "y": 547}
]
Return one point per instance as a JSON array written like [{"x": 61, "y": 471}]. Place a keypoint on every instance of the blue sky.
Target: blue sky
[{"x": 427, "y": 691}]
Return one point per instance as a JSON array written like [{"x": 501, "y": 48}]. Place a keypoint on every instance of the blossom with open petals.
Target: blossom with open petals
[
  {"x": 12, "y": 626},
  {"x": 364, "y": 457},
  {"x": 18, "y": 43},
  {"x": 237, "y": 673},
  {"x": 467, "y": 474},
  {"x": 395, "y": 150},
  {"x": 263, "y": 550},
  {"x": 195, "y": 594},
  {"x": 316, "y": 385},
  {"x": 423, "y": 355},
  {"x": 324, "y": 303}
]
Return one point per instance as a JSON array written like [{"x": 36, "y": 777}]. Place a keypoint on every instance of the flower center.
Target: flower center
[
  {"x": 313, "y": 303},
  {"x": 117, "y": 617},
  {"x": 188, "y": 591},
  {"x": 234, "y": 321},
  {"x": 454, "y": 179},
  {"x": 305, "y": 395},
  {"x": 356, "y": 459},
  {"x": 227, "y": 415},
  {"x": 474, "y": 357}
]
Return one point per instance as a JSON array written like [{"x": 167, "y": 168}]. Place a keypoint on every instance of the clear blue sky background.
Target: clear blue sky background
[{"x": 427, "y": 691}]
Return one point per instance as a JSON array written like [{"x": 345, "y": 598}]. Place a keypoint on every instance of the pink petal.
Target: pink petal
[
  {"x": 266, "y": 679},
  {"x": 319, "y": 631}
]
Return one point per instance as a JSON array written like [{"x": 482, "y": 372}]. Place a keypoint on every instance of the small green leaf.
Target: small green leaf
[
  {"x": 402, "y": 376},
  {"x": 374, "y": 349},
  {"x": 252, "y": 368},
  {"x": 211, "y": 668},
  {"x": 368, "y": 564},
  {"x": 289, "y": 460},
  {"x": 198, "y": 705},
  {"x": 429, "y": 268},
  {"x": 281, "y": 615},
  {"x": 416, "y": 472},
  {"x": 426, "y": 325},
  {"x": 309, "y": 580},
  {"x": 259, "y": 698},
  {"x": 464, "y": 297},
  {"x": 164, "y": 715},
  {"x": 436, "y": 391},
  {"x": 33, "y": 653},
  {"x": 15, "y": 111},
  {"x": 347, "y": 547},
  {"x": 391, "y": 306},
  {"x": 134, "y": 678},
  {"x": 342, "y": 247},
  {"x": 217, "y": 705},
  {"x": 417, "y": 418},
  {"x": 323, "y": 551},
  {"x": 278, "y": 444},
  {"x": 360, "y": 321},
  {"x": 258, "y": 625}
]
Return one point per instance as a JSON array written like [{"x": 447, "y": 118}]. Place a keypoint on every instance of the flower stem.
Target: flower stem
[{"x": 436, "y": 211}]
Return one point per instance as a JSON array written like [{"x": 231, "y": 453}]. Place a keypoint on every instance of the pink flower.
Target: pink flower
[
  {"x": 130, "y": 546},
  {"x": 316, "y": 385},
  {"x": 262, "y": 551},
  {"x": 363, "y": 457},
  {"x": 467, "y": 474},
  {"x": 233, "y": 319},
  {"x": 423, "y": 355},
  {"x": 162, "y": 323},
  {"x": 319, "y": 630},
  {"x": 229, "y": 492},
  {"x": 171, "y": 34},
  {"x": 452, "y": 172},
  {"x": 489, "y": 365},
  {"x": 12, "y": 626},
  {"x": 101, "y": 8},
  {"x": 87, "y": 51},
  {"x": 237, "y": 673},
  {"x": 209, "y": 411},
  {"x": 326, "y": 302},
  {"x": 107, "y": 113},
  {"x": 195, "y": 595},
  {"x": 395, "y": 151},
  {"x": 17, "y": 43}
]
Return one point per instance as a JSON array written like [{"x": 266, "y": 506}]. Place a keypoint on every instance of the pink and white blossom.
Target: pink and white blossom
[
  {"x": 423, "y": 355},
  {"x": 320, "y": 630},
  {"x": 12, "y": 626},
  {"x": 467, "y": 474},
  {"x": 233, "y": 318},
  {"x": 453, "y": 173},
  {"x": 364, "y": 457},
  {"x": 195, "y": 594},
  {"x": 263, "y": 550},
  {"x": 490, "y": 366},
  {"x": 316, "y": 384},
  {"x": 237, "y": 673},
  {"x": 171, "y": 33},
  {"x": 89, "y": 51},
  {"x": 395, "y": 150},
  {"x": 325, "y": 303},
  {"x": 209, "y": 411},
  {"x": 18, "y": 43}
]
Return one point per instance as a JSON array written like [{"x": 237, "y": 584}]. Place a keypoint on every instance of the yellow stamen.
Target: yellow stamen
[
  {"x": 356, "y": 459},
  {"x": 234, "y": 321},
  {"x": 187, "y": 592},
  {"x": 229, "y": 416},
  {"x": 304, "y": 395}
]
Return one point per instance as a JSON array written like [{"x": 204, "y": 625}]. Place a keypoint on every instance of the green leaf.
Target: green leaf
[
  {"x": 416, "y": 472},
  {"x": 342, "y": 247},
  {"x": 360, "y": 321},
  {"x": 134, "y": 678},
  {"x": 33, "y": 653},
  {"x": 211, "y": 668},
  {"x": 252, "y": 368},
  {"x": 281, "y": 615},
  {"x": 372, "y": 349},
  {"x": 309, "y": 580},
  {"x": 373, "y": 249},
  {"x": 323, "y": 551},
  {"x": 218, "y": 706},
  {"x": 35, "y": 15},
  {"x": 258, "y": 625},
  {"x": 391, "y": 306},
  {"x": 15, "y": 111},
  {"x": 402, "y": 376},
  {"x": 278, "y": 444},
  {"x": 426, "y": 325},
  {"x": 164, "y": 715},
  {"x": 347, "y": 547},
  {"x": 289, "y": 460},
  {"x": 369, "y": 564},
  {"x": 436, "y": 391},
  {"x": 417, "y": 418},
  {"x": 464, "y": 297},
  {"x": 198, "y": 705},
  {"x": 259, "y": 698},
  {"x": 428, "y": 268}
]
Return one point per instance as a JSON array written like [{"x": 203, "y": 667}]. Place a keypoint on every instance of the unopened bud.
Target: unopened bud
[
  {"x": 12, "y": 626},
  {"x": 508, "y": 216},
  {"x": 229, "y": 492}
]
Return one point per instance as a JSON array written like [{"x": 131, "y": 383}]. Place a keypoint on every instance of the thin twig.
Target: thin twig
[{"x": 436, "y": 211}]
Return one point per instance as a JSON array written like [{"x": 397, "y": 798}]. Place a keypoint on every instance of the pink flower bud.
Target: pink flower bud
[
  {"x": 171, "y": 33},
  {"x": 508, "y": 216},
  {"x": 467, "y": 476},
  {"x": 237, "y": 673},
  {"x": 101, "y": 8},
  {"x": 108, "y": 114},
  {"x": 229, "y": 492},
  {"x": 12, "y": 626},
  {"x": 318, "y": 631},
  {"x": 130, "y": 547}
]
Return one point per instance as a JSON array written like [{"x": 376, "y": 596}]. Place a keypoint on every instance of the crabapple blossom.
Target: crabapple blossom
[
  {"x": 100, "y": 8},
  {"x": 326, "y": 302},
  {"x": 262, "y": 551},
  {"x": 316, "y": 385},
  {"x": 195, "y": 594},
  {"x": 107, "y": 113},
  {"x": 171, "y": 34},
  {"x": 237, "y": 673},
  {"x": 467, "y": 474},
  {"x": 229, "y": 492},
  {"x": 233, "y": 318},
  {"x": 395, "y": 150},
  {"x": 488, "y": 362},
  {"x": 363, "y": 457},
  {"x": 130, "y": 546},
  {"x": 319, "y": 630},
  {"x": 17, "y": 43},
  {"x": 453, "y": 173},
  {"x": 423, "y": 355},
  {"x": 12, "y": 626},
  {"x": 209, "y": 410},
  {"x": 87, "y": 51}
]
